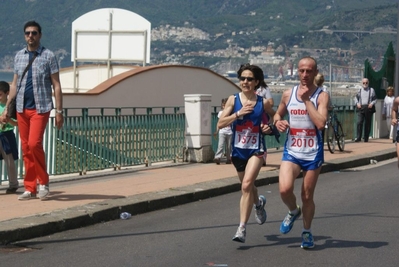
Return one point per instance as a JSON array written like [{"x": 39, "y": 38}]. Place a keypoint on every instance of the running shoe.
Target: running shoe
[
  {"x": 307, "y": 240},
  {"x": 260, "y": 212},
  {"x": 43, "y": 191},
  {"x": 26, "y": 196},
  {"x": 288, "y": 221},
  {"x": 240, "y": 235}
]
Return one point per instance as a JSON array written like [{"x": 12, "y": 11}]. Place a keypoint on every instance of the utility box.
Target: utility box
[{"x": 198, "y": 128}]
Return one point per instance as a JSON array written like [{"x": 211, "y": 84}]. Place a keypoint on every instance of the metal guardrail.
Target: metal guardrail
[{"x": 99, "y": 138}]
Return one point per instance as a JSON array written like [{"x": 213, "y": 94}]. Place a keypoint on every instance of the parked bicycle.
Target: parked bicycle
[{"x": 335, "y": 132}]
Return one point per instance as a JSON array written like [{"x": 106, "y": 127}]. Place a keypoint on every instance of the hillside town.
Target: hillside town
[{"x": 277, "y": 60}]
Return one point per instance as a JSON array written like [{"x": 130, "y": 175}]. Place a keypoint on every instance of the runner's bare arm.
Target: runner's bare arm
[
  {"x": 319, "y": 115},
  {"x": 268, "y": 108},
  {"x": 271, "y": 101},
  {"x": 394, "y": 112},
  {"x": 281, "y": 124},
  {"x": 227, "y": 118}
]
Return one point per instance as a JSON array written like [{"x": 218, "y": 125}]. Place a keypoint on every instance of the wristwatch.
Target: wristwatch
[{"x": 59, "y": 111}]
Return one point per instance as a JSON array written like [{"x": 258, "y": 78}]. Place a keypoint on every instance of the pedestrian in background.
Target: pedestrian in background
[
  {"x": 394, "y": 122},
  {"x": 306, "y": 106},
  {"x": 8, "y": 142},
  {"x": 224, "y": 143},
  {"x": 264, "y": 91},
  {"x": 244, "y": 112},
  {"x": 365, "y": 100},
  {"x": 36, "y": 75},
  {"x": 319, "y": 81},
  {"x": 387, "y": 110}
]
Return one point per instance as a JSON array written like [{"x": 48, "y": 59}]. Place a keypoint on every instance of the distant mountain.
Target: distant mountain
[{"x": 239, "y": 23}]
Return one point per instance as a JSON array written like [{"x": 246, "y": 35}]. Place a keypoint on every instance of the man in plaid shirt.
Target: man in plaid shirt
[{"x": 36, "y": 75}]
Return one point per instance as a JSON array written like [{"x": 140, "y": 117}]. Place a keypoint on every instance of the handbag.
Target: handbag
[{"x": 12, "y": 106}]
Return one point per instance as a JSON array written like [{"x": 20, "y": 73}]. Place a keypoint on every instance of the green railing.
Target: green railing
[
  {"x": 348, "y": 118},
  {"x": 99, "y": 138}
]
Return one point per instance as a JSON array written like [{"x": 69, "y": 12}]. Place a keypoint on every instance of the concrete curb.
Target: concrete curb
[{"x": 60, "y": 220}]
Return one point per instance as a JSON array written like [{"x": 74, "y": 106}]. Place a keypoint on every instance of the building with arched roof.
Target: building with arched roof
[{"x": 151, "y": 86}]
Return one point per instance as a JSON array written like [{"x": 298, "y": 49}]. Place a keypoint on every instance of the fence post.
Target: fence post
[{"x": 198, "y": 128}]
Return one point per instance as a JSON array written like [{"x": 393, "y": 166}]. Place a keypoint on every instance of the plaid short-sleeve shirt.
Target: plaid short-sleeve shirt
[{"x": 43, "y": 67}]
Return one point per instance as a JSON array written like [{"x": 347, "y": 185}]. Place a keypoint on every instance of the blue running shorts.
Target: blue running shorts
[{"x": 306, "y": 165}]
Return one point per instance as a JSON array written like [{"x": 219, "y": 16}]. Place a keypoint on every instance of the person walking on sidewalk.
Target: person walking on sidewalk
[
  {"x": 244, "y": 112},
  {"x": 365, "y": 100},
  {"x": 36, "y": 74},
  {"x": 394, "y": 122},
  {"x": 8, "y": 142},
  {"x": 224, "y": 143},
  {"x": 386, "y": 112},
  {"x": 306, "y": 105}
]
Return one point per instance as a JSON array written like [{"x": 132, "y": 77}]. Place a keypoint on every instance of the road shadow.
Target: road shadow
[
  {"x": 329, "y": 242},
  {"x": 338, "y": 243},
  {"x": 287, "y": 241},
  {"x": 59, "y": 196}
]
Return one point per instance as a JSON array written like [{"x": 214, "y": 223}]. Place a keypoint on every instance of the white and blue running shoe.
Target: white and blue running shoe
[
  {"x": 307, "y": 240},
  {"x": 288, "y": 221}
]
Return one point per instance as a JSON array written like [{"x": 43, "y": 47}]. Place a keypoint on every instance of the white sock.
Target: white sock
[
  {"x": 307, "y": 230},
  {"x": 295, "y": 211}
]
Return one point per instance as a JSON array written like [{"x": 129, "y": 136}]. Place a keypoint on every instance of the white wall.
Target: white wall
[
  {"x": 88, "y": 76},
  {"x": 155, "y": 86}
]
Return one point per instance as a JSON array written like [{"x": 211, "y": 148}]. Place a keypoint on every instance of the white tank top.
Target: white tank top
[{"x": 304, "y": 139}]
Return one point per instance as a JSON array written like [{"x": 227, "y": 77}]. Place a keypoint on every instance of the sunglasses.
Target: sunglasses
[
  {"x": 249, "y": 79},
  {"x": 365, "y": 83},
  {"x": 34, "y": 33}
]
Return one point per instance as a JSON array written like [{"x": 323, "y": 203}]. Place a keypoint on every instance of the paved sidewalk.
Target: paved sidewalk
[{"x": 77, "y": 201}]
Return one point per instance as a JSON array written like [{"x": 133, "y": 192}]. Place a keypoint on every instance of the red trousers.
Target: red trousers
[{"x": 31, "y": 130}]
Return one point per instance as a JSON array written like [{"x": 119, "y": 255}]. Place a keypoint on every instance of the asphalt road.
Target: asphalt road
[{"x": 356, "y": 224}]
